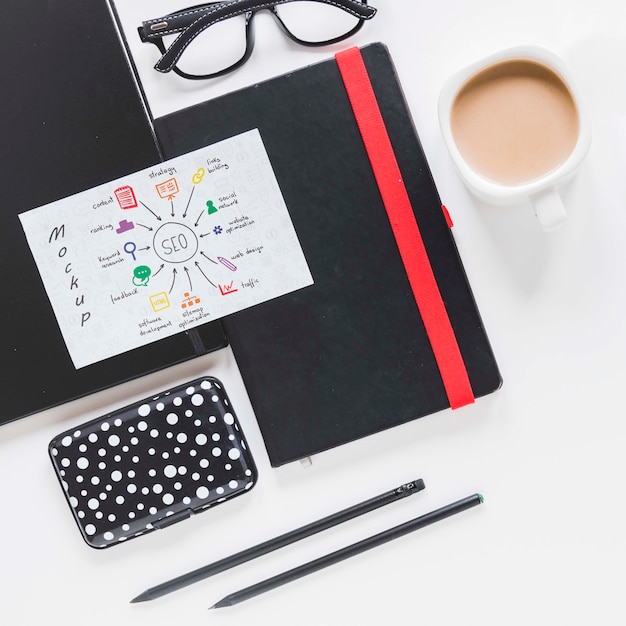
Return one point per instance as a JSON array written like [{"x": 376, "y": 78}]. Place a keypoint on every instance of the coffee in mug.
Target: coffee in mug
[{"x": 515, "y": 127}]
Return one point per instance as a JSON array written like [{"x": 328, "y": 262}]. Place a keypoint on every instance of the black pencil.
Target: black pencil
[
  {"x": 278, "y": 542},
  {"x": 351, "y": 550}
]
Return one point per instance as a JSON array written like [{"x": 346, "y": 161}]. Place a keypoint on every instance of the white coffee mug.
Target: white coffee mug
[{"x": 516, "y": 126}]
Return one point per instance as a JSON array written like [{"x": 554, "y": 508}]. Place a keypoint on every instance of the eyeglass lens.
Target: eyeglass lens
[
  {"x": 313, "y": 22},
  {"x": 219, "y": 47}
]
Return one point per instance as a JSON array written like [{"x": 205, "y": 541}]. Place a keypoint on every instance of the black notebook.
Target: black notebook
[
  {"x": 72, "y": 117},
  {"x": 348, "y": 356}
]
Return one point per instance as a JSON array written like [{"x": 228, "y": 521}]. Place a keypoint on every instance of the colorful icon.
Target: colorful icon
[
  {"x": 226, "y": 289},
  {"x": 217, "y": 230},
  {"x": 126, "y": 197},
  {"x": 124, "y": 226},
  {"x": 159, "y": 301},
  {"x": 227, "y": 263},
  {"x": 211, "y": 207},
  {"x": 189, "y": 301},
  {"x": 168, "y": 189},
  {"x": 198, "y": 176},
  {"x": 130, "y": 247},
  {"x": 141, "y": 276}
]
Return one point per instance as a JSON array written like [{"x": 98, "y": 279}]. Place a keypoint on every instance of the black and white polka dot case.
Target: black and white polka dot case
[{"x": 153, "y": 463}]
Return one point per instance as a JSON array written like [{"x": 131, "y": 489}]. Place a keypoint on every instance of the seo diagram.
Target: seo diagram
[{"x": 166, "y": 249}]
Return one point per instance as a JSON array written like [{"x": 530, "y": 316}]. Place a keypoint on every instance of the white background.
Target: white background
[{"x": 546, "y": 451}]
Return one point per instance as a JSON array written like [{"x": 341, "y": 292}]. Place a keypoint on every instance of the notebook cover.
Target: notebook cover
[
  {"x": 72, "y": 118},
  {"x": 348, "y": 356}
]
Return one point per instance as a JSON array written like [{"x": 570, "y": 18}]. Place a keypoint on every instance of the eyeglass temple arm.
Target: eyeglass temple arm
[{"x": 190, "y": 23}]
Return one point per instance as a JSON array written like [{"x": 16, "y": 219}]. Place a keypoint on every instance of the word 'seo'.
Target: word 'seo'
[{"x": 166, "y": 249}]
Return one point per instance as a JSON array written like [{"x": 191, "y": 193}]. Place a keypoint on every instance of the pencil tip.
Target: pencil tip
[
  {"x": 142, "y": 597},
  {"x": 227, "y": 601}
]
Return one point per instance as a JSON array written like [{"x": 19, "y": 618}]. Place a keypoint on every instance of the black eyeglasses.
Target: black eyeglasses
[{"x": 215, "y": 38}]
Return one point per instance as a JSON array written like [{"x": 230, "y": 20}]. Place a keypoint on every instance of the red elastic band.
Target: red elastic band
[{"x": 406, "y": 231}]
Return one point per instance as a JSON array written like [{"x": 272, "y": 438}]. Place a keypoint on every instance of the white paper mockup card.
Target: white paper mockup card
[{"x": 166, "y": 249}]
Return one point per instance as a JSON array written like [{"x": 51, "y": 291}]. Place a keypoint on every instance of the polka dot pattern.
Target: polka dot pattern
[{"x": 179, "y": 452}]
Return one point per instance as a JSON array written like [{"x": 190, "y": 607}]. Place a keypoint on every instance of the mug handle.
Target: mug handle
[{"x": 549, "y": 208}]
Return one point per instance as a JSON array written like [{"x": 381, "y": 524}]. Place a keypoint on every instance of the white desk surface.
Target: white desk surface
[{"x": 547, "y": 451}]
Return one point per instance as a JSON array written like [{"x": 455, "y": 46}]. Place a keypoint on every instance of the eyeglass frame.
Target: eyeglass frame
[{"x": 192, "y": 21}]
